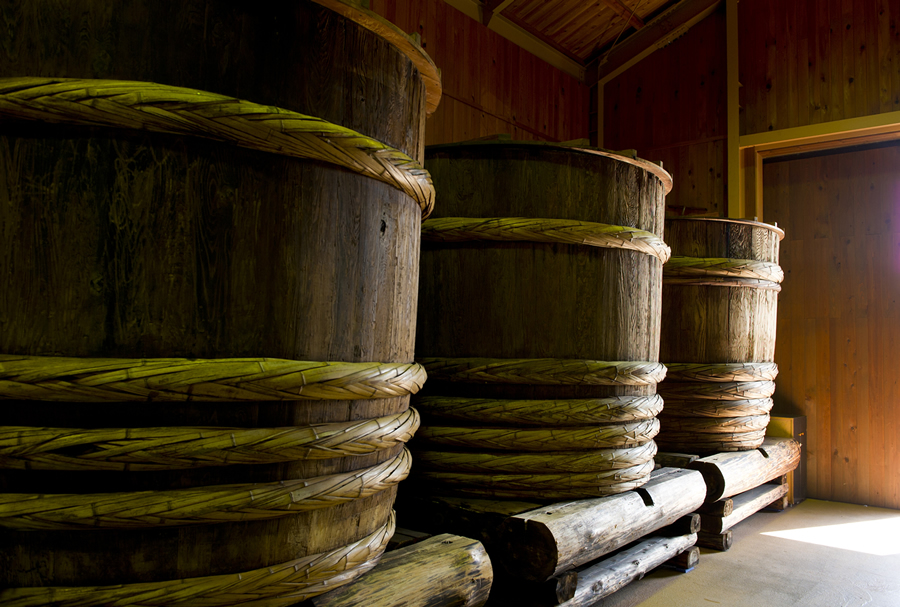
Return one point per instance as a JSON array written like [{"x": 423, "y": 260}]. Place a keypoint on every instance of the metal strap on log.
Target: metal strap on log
[
  {"x": 531, "y": 229},
  {"x": 723, "y": 272},
  {"x": 216, "y": 380},
  {"x": 147, "y": 106},
  {"x": 198, "y": 505},
  {"x": 560, "y": 412},
  {"x": 282, "y": 584},
  {"x": 171, "y": 448},
  {"x": 544, "y": 371}
]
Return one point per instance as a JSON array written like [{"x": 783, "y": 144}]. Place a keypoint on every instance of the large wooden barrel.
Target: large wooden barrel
[
  {"x": 720, "y": 296},
  {"x": 207, "y": 319},
  {"x": 538, "y": 321}
]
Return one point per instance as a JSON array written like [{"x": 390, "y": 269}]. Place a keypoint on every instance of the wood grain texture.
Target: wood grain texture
[
  {"x": 671, "y": 107},
  {"x": 728, "y": 474},
  {"x": 839, "y": 331},
  {"x": 490, "y": 85},
  {"x": 717, "y": 324},
  {"x": 804, "y": 62},
  {"x": 149, "y": 246}
]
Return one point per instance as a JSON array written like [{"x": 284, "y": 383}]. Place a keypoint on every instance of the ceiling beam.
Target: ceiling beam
[
  {"x": 492, "y": 7},
  {"x": 521, "y": 37},
  {"x": 656, "y": 34},
  {"x": 625, "y": 13}
]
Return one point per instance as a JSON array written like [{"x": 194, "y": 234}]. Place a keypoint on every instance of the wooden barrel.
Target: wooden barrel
[
  {"x": 210, "y": 237},
  {"x": 720, "y": 296},
  {"x": 538, "y": 321}
]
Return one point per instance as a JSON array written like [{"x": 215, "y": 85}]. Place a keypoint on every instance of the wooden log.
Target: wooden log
[
  {"x": 728, "y": 474},
  {"x": 444, "y": 570},
  {"x": 609, "y": 575},
  {"x": 723, "y": 507},
  {"x": 690, "y": 523},
  {"x": 746, "y": 504},
  {"x": 544, "y": 542},
  {"x": 510, "y": 590},
  {"x": 673, "y": 460},
  {"x": 715, "y": 541},
  {"x": 405, "y": 537},
  {"x": 685, "y": 561},
  {"x": 781, "y": 504}
]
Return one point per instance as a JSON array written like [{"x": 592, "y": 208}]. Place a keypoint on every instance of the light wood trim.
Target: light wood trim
[
  {"x": 659, "y": 32},
  {"x": 838, "y": 133},
  {"x": 737, "y": 202},
  {"x": 522, "y": 38}
]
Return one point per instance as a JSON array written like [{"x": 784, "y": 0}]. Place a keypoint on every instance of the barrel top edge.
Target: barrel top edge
[
  {"x": 750, "y": 222},
  {"x": 664, "y": 176},
  {"x": 383, "y": 28}
]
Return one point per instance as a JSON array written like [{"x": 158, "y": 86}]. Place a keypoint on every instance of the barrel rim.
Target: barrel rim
[
  {"x": 392, "y": 34},
  {"x": 756, "y": 224},
  {"x": 664, "y": 176}
]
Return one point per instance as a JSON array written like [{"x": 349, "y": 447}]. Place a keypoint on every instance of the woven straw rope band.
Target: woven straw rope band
[
  {"x": 563, "y": 412},
  {"x": 528, "y": 229},
  {"x": 735, "y": 272},
  {"x": 544, "y": 371},
  {"x": 283, "y": 584},
  {"x": 146, "y": 106},
  {"x": 141, "y": 449},
  {"x": 544, "y": 439},
  {"x": 721, "y": 372},
  {"x": 709, "y": 425},
  {"x": 553, "y": 462},
  {"x": 739, "y": 390},
  {"x": 711, "y": 443},
  {"x": 216, "y": 380},
  {"x": 717, "y": 408},
  {"x": 198, "y": 505}
]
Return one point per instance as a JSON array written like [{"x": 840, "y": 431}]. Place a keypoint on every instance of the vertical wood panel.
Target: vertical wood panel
[
  {"x": 839, "y": 316},
  {"x": 491, "y": 86},
  {"x": 811, "y": 61},
  {"x": 671, "y": 107}
]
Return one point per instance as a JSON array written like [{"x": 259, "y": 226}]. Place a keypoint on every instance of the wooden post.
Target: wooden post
[
  {"x": 715, "y": 541},
  {"x": 685, "y": 561},
  {"x": 746, "y": 504},
  {"x": 441, "y": 571}
]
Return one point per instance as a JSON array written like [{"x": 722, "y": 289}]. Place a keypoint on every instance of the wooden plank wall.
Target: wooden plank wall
[
  {"x": 671, "y": 107},
  {"x": 838, "y": 347},
  {"x": 490, "y": 85},
  {"x": 809, "y": 61}
]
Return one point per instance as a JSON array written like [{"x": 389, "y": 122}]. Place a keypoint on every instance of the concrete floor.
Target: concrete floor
[{"x": 816, "y": 554}]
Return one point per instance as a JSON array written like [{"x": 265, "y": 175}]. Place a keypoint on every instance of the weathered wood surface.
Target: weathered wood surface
[
  {"x": 156, "y": 246},
  {"x": 706, "y": 323},
  {"x": 723, "y": 507},
  {"x": 544, "y": 542},
  {"x": 668, "y": 459},
  {"x": 603, "y": 578},
  {"x": 441, "y": 571},
  {"x": 686, "y": 560},
  {"x": 510, "y": 590},
  {"x": 715, "y": 541},
  {"x": 745, "y": 505},
  {"x": 690, "y": 523},
  {"x": 728, "y": 474}
]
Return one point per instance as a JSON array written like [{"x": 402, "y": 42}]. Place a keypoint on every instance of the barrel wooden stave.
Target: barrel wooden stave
[{"x": 146, "y": 245}]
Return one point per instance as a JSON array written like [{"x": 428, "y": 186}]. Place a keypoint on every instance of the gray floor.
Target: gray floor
[{"x": 816, "y": 554}]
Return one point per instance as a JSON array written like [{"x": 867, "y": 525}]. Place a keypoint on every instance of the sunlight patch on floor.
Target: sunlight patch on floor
[{"x": 877, "y": 537}]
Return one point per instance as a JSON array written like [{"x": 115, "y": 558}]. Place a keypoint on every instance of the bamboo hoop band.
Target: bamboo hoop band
[
  {"x": 530, "y": 229},
  {"x": 552, "y": 462},
  {"x": 564, "y": 412},
  {"x": 541, "y": 486},
  {"x": 717, "y": 408},
  {"x": 544, "y": 439},
  {"x": 544, "y": 371},
  {"x": 172, "y": 448},
  {"x": 692, "y": 442},
  {"x": 215, "y": 380},
  {"x": 712, "y": 425},
  {"x": 694, "y": 267},
  {"x": 720, "y": 281},
  {"x": 197, "y": 505},
  {"x": 159, "y": 108},
  {"x": 740, "y": 390},
  {"x": 282, "y": 584},
  {"x": 721, "y": 372}
]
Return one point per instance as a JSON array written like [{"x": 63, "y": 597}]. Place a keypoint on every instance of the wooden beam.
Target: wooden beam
[
  {"x": 521, "y": 37},
  {"x": 656, "y": 34},
  {"x": 737, "y": 207},
  {"x": 625, "y": 13},
  {"x": 491, "y": 8},
  {"x": 835, "y": 134}
]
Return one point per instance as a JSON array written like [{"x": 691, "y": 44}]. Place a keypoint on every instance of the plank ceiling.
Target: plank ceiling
[{"x": 577, "y": 28}]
